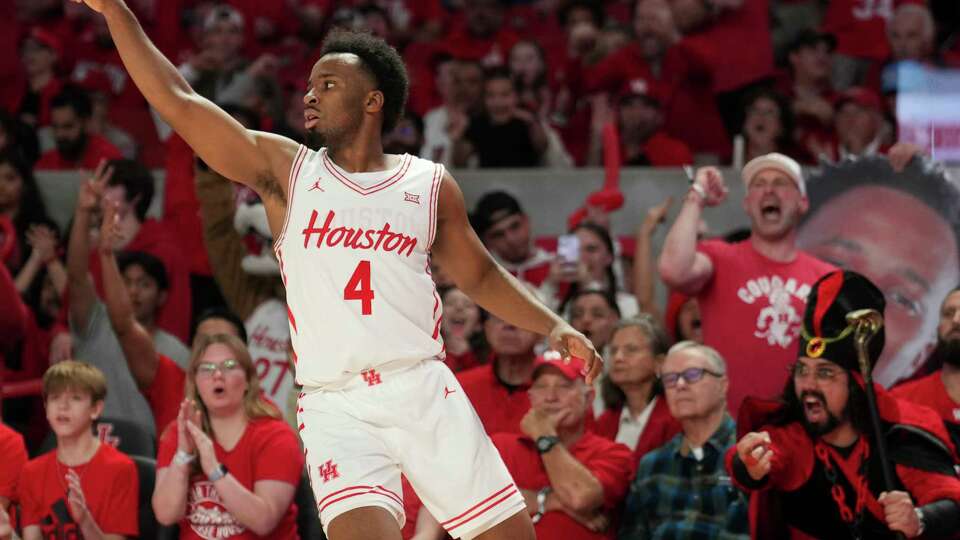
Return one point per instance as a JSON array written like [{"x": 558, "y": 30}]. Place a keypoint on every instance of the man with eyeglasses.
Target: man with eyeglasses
[
  {"x": 813, "y": 453},
  {"x": 751, "y": 294},
  {"x": 572, "y": 479},
  {"x": 688, "y": 472}
]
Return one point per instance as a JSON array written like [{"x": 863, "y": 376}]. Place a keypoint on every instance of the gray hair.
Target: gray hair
[
  {"x": 929, "y": 26},
  {"x": 713, "y": 357},
  {"x": 651, "y": 328}
]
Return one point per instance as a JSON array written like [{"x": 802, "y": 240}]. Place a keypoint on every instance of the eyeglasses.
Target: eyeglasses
[
  {"x": 689, "y": 376},
  {"x": 207, "y": 369},
  {"x": 820, "y": 373}
]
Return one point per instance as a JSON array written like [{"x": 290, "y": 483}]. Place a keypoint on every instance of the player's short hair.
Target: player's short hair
[
  {"x": 74, "y": 375},
  {"x": 151, "y": 266},
  {"x": 380, "y": 61},
  {"x": 137, "y": 182},
  {"x": 923, "y": 179}
]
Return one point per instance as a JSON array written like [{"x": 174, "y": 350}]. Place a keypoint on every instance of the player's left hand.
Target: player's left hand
[
  {"x": 899, "y": 512},
  {"x": 568, "y": 342},
  {"x": 208, "y": 455},
  {"x": 75, "y": 498}
]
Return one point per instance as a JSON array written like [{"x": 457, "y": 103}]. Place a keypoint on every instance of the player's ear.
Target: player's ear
[{"x": 374, "y": 101}]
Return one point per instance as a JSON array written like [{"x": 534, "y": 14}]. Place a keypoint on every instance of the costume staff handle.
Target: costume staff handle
[{"x": 867, "y": 323}]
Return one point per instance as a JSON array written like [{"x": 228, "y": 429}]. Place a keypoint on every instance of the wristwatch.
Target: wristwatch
[
  {"x": 541, "y": 503},
  {"x": 218, "y": 473},
  {"x": 183, "y": 458},
  {"x": 920, "y": 518},
  {"x": 545, "y": 443}
]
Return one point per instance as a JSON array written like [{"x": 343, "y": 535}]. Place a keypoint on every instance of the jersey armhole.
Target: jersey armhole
[
  {"x": 438, "y": 173},
  {"x": 291, "y": 184}
]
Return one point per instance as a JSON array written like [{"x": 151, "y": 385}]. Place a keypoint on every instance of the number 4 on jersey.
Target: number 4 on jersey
[{"x": 358, "y": 288}]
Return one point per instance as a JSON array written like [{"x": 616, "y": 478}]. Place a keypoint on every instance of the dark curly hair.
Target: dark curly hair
[
  {"x": 924, "y": 179},
  {"x": 382, "y": 62}
]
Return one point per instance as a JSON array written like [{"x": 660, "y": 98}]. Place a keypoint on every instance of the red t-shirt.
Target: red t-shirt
[
  {"x": 660, "y": 428},
  {"x": 14, "y": 454},
  {"x": 752, "y": 310},
  {"x": 166, "y": 392},
  {"x": 98, "y": 149},
  {"x": 499, "y": 407},
  {"x": 860, "y": 27},
  {"x": 612, "y": 464},
  {"x": 110, "y": 486},
  {"x": 267, "y": 450},
  {"x": 929, "y": 392}
]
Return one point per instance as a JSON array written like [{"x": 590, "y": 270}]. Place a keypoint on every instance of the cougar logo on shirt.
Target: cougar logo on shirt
[
  {"x": 778, "y": 322},
  {"x": 356, "y": 238},
  {"x": 207, "y": 515}
]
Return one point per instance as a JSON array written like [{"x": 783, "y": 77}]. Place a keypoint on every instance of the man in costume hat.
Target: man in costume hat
[{"x": 814, "y": 452}]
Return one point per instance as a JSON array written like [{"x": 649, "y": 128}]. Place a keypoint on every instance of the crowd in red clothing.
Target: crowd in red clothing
[
  {"x": 674, "y": 76},
  {"x": 494, "y": 83}
]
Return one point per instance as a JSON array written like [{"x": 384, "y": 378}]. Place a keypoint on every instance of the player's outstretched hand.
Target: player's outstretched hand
[
  {"x": 99, "y": 5},
  {"x": 568, "y": 342}
]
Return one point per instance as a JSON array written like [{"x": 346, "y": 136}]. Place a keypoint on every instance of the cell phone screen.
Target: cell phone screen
[{"x": 568, "y": 248}]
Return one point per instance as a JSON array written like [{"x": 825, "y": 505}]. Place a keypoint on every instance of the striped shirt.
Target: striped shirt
[{"x": 676, "y": 496}]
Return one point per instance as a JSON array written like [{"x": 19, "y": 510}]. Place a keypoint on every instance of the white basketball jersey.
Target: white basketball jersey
[{"x": 353, "y": 255}]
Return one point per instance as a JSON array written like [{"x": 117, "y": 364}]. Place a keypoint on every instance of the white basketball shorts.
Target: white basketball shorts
[{"x": 416, "y": 421}]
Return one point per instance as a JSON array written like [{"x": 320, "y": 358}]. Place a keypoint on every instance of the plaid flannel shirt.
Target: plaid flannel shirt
[{"x": 676, "y": 497}]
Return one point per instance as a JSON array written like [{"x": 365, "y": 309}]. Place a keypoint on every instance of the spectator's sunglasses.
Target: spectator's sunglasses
[
  {"x": 689, "y": 376},
  {"x": 207, "y": 369}
]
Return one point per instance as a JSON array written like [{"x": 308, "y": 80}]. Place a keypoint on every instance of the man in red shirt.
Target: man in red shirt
[
  {"x": 498, "y": 389},
  {"x": 751, "y": 294},
  {"x": 504, "y": 228},
  {"x": 940, "y": 390},
  {"x": 76, "y": 148},
  {"x": 643, "y": 140},
  {"x": 860, "y": 31},
  {"x": 572, "y": 479}
]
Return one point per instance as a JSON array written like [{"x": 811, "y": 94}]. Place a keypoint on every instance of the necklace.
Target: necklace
[{"x": 853, "y": 519}]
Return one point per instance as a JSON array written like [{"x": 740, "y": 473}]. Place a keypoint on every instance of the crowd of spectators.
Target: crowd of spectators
[{"x": 162, "y": 343}]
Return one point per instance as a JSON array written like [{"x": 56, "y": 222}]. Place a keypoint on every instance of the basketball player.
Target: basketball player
[{"x": 354, "y": 230}]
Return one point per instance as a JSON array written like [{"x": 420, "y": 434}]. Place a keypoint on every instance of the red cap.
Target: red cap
[
  {"x": 640, "y": 87},
  {"x": 572, "y": 368},
  {"x": 863, "y": 97},
  {"x": 95, "y": 80},
  {"x": 47, "y": 39}
]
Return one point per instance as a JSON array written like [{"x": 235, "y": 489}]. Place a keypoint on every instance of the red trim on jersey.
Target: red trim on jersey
[
  {"x": 293, "y": 320},
  {"x": 283, "y": 274},
  {"x": 302, "y": 425},
  {"x": 291, "y": 185},
  {"x": 434, "y": 198},
  {"x": 436, "y": 328},
  {"x": 332, "y": 168},
  {"x": 375, "y": 490},
  {"x": 448, "y": 524}
]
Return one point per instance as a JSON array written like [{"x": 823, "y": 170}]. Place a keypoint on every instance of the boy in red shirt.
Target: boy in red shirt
[{"x": 84, "y": 488}]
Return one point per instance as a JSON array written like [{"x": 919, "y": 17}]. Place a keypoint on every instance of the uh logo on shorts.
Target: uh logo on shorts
[{"x": 328, "y": 471}]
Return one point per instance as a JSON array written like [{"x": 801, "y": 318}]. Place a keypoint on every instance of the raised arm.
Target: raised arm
[
  {"x": 458, "y": 250},
  {"x": 250, "y": 157},
  {"x": 80, "y": 286},
  {"x": 136, "y": 342},
  {"x": 644, "y": 275},
  {"x": 681, "y": 266}
]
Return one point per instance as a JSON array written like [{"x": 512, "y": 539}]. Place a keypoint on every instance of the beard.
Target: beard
[
  {"x": 819, "y": 429},
  {"x": 72, "y": 150},
  {"x": 947, "y": 351}
]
